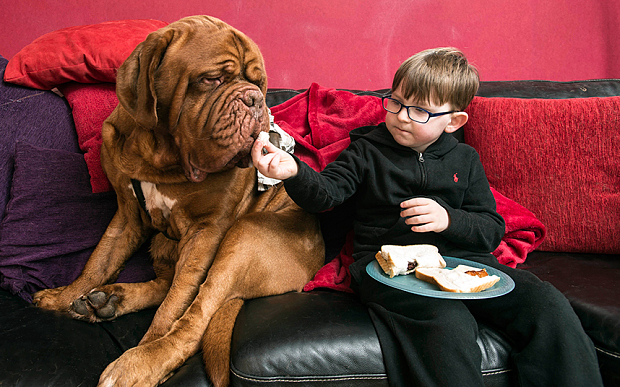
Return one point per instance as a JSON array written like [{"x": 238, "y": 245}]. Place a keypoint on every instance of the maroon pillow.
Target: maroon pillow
[
  {"x": 86, "y": 54},
  {"x": 53, "y": 222},
  {"x": 558, "y": 158}
]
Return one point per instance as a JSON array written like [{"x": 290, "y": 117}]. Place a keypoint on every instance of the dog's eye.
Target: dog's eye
[{"x": 211, "y": 81}]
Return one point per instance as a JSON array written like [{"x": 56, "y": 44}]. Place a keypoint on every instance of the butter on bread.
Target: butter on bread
[
  {"x": 402, "y": 260},
  {"x": 461, "y": 279}
]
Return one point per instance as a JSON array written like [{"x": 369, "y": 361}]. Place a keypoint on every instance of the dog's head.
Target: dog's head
[{"x": 202, "y": 82}]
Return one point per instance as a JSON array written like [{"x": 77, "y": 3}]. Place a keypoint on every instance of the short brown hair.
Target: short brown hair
[{"x": 440, "y": 75}]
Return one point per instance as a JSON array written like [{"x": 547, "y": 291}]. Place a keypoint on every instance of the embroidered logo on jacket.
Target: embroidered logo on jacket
[{"x": 456, "y": 178}]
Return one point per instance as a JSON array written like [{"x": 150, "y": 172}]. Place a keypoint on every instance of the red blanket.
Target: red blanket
[{"x": 320, "y": 120}]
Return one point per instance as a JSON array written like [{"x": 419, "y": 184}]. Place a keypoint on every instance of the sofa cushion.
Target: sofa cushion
[
  {"x": 590, "y": 282},
  {"x": 53, "y": 222},
  {"x": 87, "y": 54},
  {"x": 337, "y": 327},
  {"x": 41, "y": 118},
  {"x": 595, "y": 301},
  {"x": 559, "y": 159},
  {"x": 91, "y": 105},
  {"x": 326, "y": 338}
]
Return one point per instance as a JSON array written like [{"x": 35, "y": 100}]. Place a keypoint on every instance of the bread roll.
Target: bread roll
[
  {"x": 401, "y": 260},
  {"x": 461, "y": 279}
]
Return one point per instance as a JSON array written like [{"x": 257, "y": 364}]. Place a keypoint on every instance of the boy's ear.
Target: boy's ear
[{"x": 458, "y": 119}]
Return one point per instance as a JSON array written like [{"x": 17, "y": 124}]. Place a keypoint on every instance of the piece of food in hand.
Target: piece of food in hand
[
  {"x": 264, "y": 138},
  {"x": 401, "y": 260},
  {"x": 461, "y": 279}
]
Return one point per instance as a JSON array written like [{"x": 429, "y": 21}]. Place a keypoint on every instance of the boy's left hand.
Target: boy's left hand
[{"x": 425, "y": 215}]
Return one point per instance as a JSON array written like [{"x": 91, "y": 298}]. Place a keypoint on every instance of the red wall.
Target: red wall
[{"x": 359, "y": 44}]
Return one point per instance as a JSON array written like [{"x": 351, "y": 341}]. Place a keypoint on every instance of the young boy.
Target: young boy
[{"x": 416, "y": 184}]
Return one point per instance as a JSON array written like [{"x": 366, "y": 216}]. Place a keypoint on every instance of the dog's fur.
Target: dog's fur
[{"x": 191, "y": 105}]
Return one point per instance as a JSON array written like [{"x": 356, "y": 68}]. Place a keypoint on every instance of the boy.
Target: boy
[{"x": 416, "y": 184}]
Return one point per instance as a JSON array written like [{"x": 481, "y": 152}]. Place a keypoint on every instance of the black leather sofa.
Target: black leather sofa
[{"x": 316, "y": 338}]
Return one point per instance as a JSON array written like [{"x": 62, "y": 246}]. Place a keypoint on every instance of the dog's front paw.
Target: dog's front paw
[
  {"x": 138, "y": 367},
  {"x": 50, "y": 299}
]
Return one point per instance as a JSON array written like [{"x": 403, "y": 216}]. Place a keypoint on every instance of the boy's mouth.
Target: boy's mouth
[{"x": 401, "y": 130}]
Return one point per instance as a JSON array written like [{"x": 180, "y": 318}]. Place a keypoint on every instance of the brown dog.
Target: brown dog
[{"x": 191, "y": 105}]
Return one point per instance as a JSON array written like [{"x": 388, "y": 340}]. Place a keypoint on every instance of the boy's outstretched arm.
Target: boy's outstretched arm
[{"x": 276, "y": 163}]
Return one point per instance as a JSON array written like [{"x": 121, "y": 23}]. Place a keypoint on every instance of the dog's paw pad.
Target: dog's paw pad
[
  {"x": 97, "y": 299},
  {"x": 80, "y": 306},
  {"x": 108, "y": 310}
]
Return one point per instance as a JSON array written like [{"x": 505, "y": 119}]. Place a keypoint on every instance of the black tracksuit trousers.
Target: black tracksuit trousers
[{"x": 432, "y": 342}]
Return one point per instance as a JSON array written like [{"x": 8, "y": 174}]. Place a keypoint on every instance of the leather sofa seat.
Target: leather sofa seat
[{"x": 326, "y": 338}]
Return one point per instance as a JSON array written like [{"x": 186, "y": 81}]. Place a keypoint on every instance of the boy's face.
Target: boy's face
[{"x": 414, "y": 134}]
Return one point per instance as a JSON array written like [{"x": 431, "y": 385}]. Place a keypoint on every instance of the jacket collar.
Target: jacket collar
[{"x": 380, "y": 134}]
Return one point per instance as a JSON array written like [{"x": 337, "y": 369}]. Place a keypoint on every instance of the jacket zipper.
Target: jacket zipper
[{"x": 423, "y": 169}]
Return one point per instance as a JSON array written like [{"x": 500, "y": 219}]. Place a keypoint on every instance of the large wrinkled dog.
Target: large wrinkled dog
[{"x": 191, "y": 105}]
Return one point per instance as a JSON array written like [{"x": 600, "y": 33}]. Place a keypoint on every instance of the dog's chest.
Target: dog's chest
[{"x": 157, "y": 205}]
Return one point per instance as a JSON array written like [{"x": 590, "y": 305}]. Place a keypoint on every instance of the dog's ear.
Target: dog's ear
[{"x": 134, "y": 81}]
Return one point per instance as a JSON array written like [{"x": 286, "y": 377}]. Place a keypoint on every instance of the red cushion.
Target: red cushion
[
  {"x": 86, "y": 54},
  {"x": 91, "y": 105},
  {"x": 558, "y": 158}
]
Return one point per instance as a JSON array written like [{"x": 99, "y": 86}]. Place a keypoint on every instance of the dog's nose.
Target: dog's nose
[{"x": 253, "y": 98}]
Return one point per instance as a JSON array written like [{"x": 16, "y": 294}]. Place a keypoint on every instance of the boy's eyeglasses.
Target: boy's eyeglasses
[{"x": 415, "y": 113}]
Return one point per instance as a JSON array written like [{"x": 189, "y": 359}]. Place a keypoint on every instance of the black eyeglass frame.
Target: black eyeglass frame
[{"x": 430, "y": 115}]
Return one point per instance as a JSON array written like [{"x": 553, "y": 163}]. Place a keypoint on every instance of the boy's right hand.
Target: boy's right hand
[{"x": 276, "y": 164}]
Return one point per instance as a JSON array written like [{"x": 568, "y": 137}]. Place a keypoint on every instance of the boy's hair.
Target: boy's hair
[{"x": 440, "y": 75}]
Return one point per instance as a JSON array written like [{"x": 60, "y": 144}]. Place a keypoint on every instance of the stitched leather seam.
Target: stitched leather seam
[
  {"x": 612, "y": 354},
  {"x": 308, "y": 379},
  {"x": 340, "y": 378},
  {"x": 489, "y": 373}
]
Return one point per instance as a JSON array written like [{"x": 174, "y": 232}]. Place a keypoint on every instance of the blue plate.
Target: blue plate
[{"x": 409, "y": 283}]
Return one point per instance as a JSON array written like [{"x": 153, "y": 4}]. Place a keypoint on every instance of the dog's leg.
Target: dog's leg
[
  {"x": 110, "y": 301},
  {"x": 216, "y": 342},
  {"x": 122, "y": 238},
  {"x": 197, "y": 251}
]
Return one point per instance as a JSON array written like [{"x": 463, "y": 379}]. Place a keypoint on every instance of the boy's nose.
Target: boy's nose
[{"x": 403, "y": 115}]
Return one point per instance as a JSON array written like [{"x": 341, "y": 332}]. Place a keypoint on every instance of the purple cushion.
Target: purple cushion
[
  {"x": 41, "y": 118},
  {"x": 53, "y": 222}
]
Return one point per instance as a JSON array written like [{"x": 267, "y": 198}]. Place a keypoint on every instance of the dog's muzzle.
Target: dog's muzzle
[{"x": 241, "y": 115}]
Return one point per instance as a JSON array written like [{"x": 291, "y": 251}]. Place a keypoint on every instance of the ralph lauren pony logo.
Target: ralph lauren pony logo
[{"x": 456, "y": 178}]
